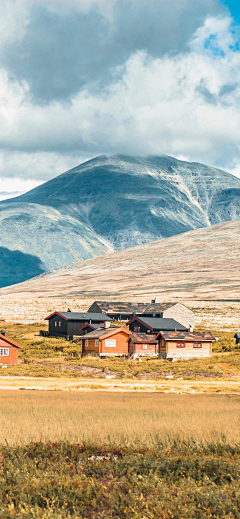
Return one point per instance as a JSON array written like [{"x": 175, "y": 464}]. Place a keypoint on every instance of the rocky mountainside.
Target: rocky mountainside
[
  {"x": 109, "y": 204},
  {"x": 200, "y": 264}
]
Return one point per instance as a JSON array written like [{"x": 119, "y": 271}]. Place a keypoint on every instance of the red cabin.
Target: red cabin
[{"x": 8, "y": 350}]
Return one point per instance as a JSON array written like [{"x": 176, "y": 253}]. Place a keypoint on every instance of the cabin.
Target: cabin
[
  {"x": 107, "y": 342},
  {"x": 118, "y": 311},
  {"x": 154, "y": 325},
  {"x": 8, "y": 350},
  {"x": 185, "y": 345},
  {"x": 73, "y": 324},
  {"x": 122, "y": 311},
  {"x": 142, "y": 345}
]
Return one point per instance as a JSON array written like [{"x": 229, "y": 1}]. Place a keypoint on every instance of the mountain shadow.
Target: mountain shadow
[{"x": 16, "y": 266}]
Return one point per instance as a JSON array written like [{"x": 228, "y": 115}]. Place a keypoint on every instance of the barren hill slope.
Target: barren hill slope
[{"x": 202, "y": 264}]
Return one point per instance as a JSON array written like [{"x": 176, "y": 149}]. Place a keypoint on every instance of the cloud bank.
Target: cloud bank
[{"x": 87, "y": 77}]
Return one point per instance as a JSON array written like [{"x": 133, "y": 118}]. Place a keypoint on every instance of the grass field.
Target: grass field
[
  {"x": 118, "y": 420},
  {"x": 112, "y": 456}
]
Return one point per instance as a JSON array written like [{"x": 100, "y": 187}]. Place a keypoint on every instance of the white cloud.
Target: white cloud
[{"x": 184, "y": 105}]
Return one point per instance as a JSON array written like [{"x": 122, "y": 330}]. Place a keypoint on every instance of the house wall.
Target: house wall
[
  {"x": 189, "y": 351},
  {"x": 181, "y": 314},
  {"x": 137, "y": 348},
  {"x": 13, "y": 353},
  {"x": 91, "y": 348},
  {"x": 57, "y": 329},
  {"x": 121, "y": 345}
]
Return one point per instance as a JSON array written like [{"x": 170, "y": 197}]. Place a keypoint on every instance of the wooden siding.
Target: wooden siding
[
  {"x": 121, "y": 345},
  {"x": 13, "y": 353},
  {"x": 188, "y": 351},
  {"x": 91, "y": 348},
  {"x": 137, "y": 348}
]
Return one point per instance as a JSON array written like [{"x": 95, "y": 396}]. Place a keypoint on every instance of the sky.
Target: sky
[{"x": 82, "y": 78}]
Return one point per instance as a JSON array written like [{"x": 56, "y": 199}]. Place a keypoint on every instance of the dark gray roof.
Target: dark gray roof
[
  {"x": 75, "y": 316},
  {"x": 118, "y": 307},
  {"x": 188, "y": 336},
  {"x": 158, "y": 323}
]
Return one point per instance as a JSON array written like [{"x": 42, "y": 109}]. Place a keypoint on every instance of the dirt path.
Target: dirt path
[{"x": 165, "y": 386}]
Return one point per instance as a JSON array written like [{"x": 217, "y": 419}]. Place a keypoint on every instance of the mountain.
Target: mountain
[
  {"x": 200, "y": 264},
  {"x": 106, "y": 204}
]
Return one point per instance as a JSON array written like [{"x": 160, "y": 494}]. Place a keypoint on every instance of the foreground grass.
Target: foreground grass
[
  {"x": 67, "y": 480},
  {"x": 113, "y": 456},
  {"x": 117, "y": 419}
]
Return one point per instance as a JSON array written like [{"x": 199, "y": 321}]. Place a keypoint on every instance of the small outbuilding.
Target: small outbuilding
[
  {"x": 237, "y": 337},
  {"x": 187, "y": 345},
  {"x": 107, "y": 342},
  {"x": 143, "y": 345},
  {"x": 153, "y": 325},
  {"x": 8, "y": 350}
]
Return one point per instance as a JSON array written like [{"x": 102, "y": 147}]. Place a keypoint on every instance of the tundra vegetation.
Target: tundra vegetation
[{"x": 105, "y": 455}]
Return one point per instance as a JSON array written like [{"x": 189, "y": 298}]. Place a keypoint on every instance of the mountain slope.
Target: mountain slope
[
  {"x": 203, "y": 264},
  {"x": 112, "y": 203}
]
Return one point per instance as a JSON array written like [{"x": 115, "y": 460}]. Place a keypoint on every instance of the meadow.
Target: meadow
[{"x": 111, "y": 456}]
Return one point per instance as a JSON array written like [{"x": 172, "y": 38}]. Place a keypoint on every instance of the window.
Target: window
[
  {"x": 145, "y": 346},
  {"x": 180, "y": 344},
  {"x": 55, "y": 324},
  {"x": 86, "y": 343},
  {"x": 59, "y": 324},
  {"x": 136, "y": 328},
  {"x": 110, "y": 343},
  {"x": 197, "y": 345},
  {"x": 96, "y": 343},
  {"x": 4, "y": 352}
]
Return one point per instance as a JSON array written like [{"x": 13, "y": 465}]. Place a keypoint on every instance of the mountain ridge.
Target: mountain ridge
[{"x": 112, "y": 203}]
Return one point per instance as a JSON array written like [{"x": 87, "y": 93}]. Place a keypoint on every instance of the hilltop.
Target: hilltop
[{"x": 107, "y": 204}]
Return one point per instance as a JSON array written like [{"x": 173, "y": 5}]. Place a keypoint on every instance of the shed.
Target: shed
[
  {"x": 8, "y": 350},
  {"x": 174, "y": 345},
  {"x": 154, "y": 325},
  {"x": 72, "y": 324},
  {"x": 143, "y": 344},
  {"x": 111, "y": 341},
  {"x": 237, "y": 337}
]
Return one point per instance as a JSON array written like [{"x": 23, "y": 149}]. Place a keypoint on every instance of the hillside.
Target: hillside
[
  {"x": 109, "y": 204},
  {"x": 201, "y": 264}
]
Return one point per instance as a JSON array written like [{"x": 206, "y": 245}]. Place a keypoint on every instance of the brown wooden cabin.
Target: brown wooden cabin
[
  {"x": 153, "y": 325},
  {"x": 187, "y": 345},
  {"x": 72, "y": 324},
  {"x": 111, "y": 341},
  {"x": 142, "y": 344},
  {"x": 8, "y": 350}
]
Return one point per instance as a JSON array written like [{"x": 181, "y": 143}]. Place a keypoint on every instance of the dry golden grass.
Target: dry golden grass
[{"x": 102, "y": 419}]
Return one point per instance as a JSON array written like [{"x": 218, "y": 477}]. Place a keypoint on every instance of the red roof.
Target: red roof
[{"x": 10, "y": 341}]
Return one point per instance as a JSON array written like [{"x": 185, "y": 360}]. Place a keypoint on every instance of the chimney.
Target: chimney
[
  {"x": 107, "y": 324},
  {"x": 156, "y": 300},
  {"x": 190, "y": 329},
  {"x": 69, "y": 310}
]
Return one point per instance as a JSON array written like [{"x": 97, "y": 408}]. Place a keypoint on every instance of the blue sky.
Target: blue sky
[
  {"x": 88, "y": 77},
  {"x": 234, "y": 8}
]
